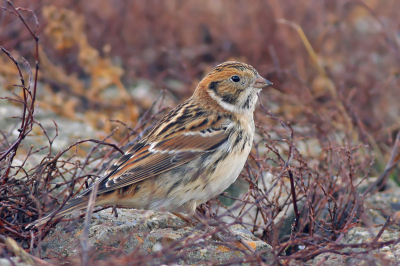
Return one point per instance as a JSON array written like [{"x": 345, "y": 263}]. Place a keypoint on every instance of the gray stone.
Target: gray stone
[
  {"x": 14, "y": 262},
  {"x": 148, "y": 232},
  {"x": 387, "y": 255}
]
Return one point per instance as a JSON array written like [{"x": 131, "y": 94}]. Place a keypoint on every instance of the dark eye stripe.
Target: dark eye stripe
[
  {"x": 225, "y": 96},
  {"x": 229, "y": 98},
  {"x": 214, "y": 86}
]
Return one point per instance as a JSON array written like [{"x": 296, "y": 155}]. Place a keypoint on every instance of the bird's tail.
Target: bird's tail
[{"x": 71, "y": 206}]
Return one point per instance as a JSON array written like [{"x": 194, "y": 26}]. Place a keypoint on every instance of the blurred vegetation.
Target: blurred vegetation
[
  {"x": 334, "y": 65},
  {"x": 91, "y": 47}
]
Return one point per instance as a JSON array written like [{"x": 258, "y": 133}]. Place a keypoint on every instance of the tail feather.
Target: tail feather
[{"x": 71, "y": 206}]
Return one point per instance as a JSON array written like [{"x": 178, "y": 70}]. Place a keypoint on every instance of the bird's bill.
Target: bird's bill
[{"x": 262, "y": 83}]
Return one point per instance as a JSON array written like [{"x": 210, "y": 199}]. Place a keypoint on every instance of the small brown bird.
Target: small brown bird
[{"x": 192, "y": 155}]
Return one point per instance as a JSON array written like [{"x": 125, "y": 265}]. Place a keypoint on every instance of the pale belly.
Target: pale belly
[
  {"x": 225, "y": 174},
  {"x": 209, "y": 186}
]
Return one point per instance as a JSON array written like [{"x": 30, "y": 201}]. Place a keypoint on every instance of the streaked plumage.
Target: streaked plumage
[{"x": 193, "y": 154}]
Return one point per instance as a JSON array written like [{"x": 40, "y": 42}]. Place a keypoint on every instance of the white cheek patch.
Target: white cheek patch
[
  {"x": 242, "y": 107},
  {"x": 229, "y": 107}
]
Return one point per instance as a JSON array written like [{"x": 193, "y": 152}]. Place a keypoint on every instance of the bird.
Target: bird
[{"x": 195, "y": 152}]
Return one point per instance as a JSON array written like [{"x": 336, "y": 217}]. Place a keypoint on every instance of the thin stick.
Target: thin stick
[
  {"x": 388, "y": 220},
  {"x": 295, "y": 225},
  {"x": 86, "y": 226},
  {"x": 381, "y": 181}
]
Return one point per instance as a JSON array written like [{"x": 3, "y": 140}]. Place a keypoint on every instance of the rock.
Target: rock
[
  {"x": 377, "y": 208},
  {"x": 14, "y": 261},
  {"x": 163, "y": 236},
  {"x": 384, "y": 256}
]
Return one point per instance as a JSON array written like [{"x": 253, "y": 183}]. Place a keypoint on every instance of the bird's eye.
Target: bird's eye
[{"x": 235, "y": 78}]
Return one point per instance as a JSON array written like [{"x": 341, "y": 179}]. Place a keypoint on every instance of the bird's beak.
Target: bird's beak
[{"x": 262, "y": 83}]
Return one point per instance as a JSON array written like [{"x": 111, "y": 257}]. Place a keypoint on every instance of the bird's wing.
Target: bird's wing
[{"x": 148, "y": 159}]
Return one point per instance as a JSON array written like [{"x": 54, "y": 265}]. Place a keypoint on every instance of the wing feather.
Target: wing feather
[{"x": 159, "y": 157}]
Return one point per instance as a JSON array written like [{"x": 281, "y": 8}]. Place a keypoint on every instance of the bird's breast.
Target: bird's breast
[{"x": 228, "y": 163}]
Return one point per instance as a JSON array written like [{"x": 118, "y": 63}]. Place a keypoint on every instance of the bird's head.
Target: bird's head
[{"x": 233, "y": 85}]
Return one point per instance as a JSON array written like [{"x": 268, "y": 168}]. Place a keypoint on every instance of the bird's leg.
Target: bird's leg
[
  {"x": 185, "y": 218},
  {"x": 199, "y": 219},
  {"x": 188, "y": 207},
  {"x": 217, "y": 235},
  {"x": 114, "y": 211},
  {"x": 190, "y": 220}
]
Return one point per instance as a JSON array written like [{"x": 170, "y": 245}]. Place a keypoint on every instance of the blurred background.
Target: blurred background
[
  {"x": 103, "y": 64},
  {"x": 116, "y": 56}
]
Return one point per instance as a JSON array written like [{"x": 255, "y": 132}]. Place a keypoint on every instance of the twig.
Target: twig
[
  {"x": 23, "y": 255},
  {"x": 86, "y": 226},
  {"x": 27, "y": 115},
  {"x": 388, "y": 220},
  {"x": 393, "y": 161},
  {"x": 295, "y": 224}
]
